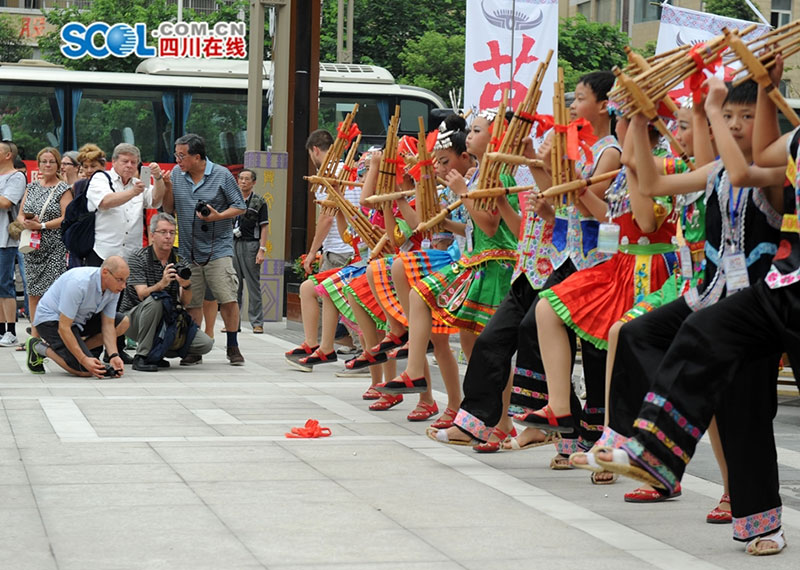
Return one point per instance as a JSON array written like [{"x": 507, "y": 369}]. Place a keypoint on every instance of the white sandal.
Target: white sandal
[
  {"x": 621, "y": 463},
  {"x": 441, "y": 436},
  {"x": 591, "y": 461},
  {"x": 776, "y": 537}
]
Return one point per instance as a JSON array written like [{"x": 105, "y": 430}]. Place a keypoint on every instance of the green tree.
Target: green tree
[
  {"x": 435, "y": 61},
  {"x": 11, "y": 48},
  {"x": 151, "y": 12},
  {"x": 585, "y": 46},
  {"x": 730, "y": 9},
  {"x": 382, "y": 30}
]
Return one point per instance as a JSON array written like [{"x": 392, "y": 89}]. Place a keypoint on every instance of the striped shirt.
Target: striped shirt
[
  {"x": 217, "y": 187},
  {"x": 146, "y": 269}
]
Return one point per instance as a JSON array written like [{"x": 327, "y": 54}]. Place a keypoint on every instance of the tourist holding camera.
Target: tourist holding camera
[
  {"x": 158, "y": 286},
  {"x": 205, "y": 199}
]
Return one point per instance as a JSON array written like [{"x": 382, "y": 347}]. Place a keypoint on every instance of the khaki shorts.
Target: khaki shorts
[{"x": 219, "y": 276}]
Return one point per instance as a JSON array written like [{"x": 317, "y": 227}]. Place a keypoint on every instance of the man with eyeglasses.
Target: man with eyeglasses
[
  {"x": 77, "y": 317},
  {"x": 205, "y": 232},
  {"x": 155, "y": 287}
]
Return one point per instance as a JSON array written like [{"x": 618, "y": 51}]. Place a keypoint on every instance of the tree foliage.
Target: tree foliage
[
  {"x": 151, "y": 12},
  {"x": 11, "y": 48},
  {"x": 435, "y": 61},
  {"x": 585, "y": 46},
  {"x": 382, "y": 30},
  {"x": 730, "y": 9}
]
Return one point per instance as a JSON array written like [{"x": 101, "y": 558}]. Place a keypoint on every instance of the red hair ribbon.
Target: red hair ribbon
[
  {"x": 349, "y": 135},
  {"x": 696, "y": 80},
  {"x": 416, "y": 171},
  {"x": 400, "y": 166},
  {"x": 407, "y": 145},
  {"x": 580, "y": 135},
  {"x": 543, "y": 123},
  {"x": 495, "y": 142}
]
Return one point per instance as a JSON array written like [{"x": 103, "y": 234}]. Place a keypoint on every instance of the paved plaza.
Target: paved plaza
[{"x": 188, "y": 468}]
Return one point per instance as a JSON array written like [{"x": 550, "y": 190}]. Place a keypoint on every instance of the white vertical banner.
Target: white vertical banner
[
  {"x": 506, "y": 40},
  {"x": 680, "y": 27}
]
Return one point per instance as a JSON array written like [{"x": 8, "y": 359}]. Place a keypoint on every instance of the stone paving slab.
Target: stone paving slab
[{"x": 189, "y": 468}]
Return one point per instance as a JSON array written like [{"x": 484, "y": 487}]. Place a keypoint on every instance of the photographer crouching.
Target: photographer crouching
[{"x": 158, "y": 288}]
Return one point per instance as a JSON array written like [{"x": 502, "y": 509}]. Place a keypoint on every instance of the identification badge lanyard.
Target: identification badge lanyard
[
  {"x": 609, "y": 231},
  {"x": 734, "y": 263},
  {"x": 684, "y": 253}
]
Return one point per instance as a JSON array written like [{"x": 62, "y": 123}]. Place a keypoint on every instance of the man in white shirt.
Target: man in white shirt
[{"x": 120, "y": 205}]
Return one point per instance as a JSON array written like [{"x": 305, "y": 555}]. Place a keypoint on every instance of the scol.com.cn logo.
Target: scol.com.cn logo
[{"x": 182, "y": 39}]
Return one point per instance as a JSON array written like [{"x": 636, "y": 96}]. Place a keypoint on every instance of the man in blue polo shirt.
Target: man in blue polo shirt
[
  {"x": 205, "y": 198},
  {"x": 78, "y": 314}
]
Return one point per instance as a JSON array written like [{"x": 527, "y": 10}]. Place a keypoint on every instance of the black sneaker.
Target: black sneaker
[
  {"x": 191, "y": 360},
  {"x": 35, "y": 361},
  {"x": 142, "y": 366}
]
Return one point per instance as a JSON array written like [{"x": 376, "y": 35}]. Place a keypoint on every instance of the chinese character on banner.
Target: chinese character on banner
[
  {"x": 32, "y": 27},
  {"x": 506, "y": 40},
  {"x": 492, "y": 94}
]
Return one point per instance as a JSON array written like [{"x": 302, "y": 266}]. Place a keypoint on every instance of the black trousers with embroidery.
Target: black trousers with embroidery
[
  {"x": 723, "y": 360},
  {"x": 511, "y": 329},
  {"x": 641, "y": 347}
]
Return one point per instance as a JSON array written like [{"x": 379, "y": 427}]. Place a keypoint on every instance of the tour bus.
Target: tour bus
[{"x": 42, "y": 104}]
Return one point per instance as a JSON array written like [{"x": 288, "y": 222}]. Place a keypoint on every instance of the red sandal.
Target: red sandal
[
  {"x": 371, "y": 394},
  {"x": 300, "y": 352},
  {"x": 446, "y": 419},
  {"x": 386, "y": 402},
  {"x": 547, "y": 422},
  {"x": 423, "y": 412},
  {"x": 364, "y": 360},
  {"x": 492, "y": 446},
  {"x": 720, "y": 516},
  {"x": 640, "y": 495},
  {"x": 404, "y": 384},
  {"x": 389, "y": 342}
]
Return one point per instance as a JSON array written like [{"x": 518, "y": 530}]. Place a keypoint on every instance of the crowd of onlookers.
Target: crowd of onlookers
[{"x": 160, "y": 256}]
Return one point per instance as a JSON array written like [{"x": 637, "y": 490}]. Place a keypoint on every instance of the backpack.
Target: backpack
[{"x": 77, "y": 227}]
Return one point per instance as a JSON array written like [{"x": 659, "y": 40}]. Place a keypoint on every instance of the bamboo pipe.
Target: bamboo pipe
[
  {"x": 375, "y": 199},
  {"x": 516, "y": 159},
  {"x": 579, "y": 184},
  {"x": 438, "y": 218}
]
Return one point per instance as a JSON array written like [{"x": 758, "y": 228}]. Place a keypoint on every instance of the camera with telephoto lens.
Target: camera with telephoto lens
[
  {"x": 110, "y": 372},
  {"x": 183, "y": 269},
  {"x": 202, "y": 207}
]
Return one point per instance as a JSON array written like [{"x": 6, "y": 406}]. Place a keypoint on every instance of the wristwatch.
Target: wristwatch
[
  {"x": 262, "y": 248},
  {"x": 44, "y": 227}
]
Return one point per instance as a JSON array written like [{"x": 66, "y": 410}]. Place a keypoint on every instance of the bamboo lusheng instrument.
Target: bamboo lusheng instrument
[
  {"x": 343, "y": 175},
  {"x": 423, "y": 227},
  {"x": 390, "y": 197},
  {"x": 330, "y": 161},
  {"x": 369, "y": 233},
  {"x": 648, "y": 109},
  {"x": 321, "y": 180},
  {"x": 662, "y": 78},
  {"x": 512, "y": 140},
  {"x": 387, "y": 180},
  {"x": 757, "y": 66},
  {"x": 759, "y": 45},
  {"x": 516, "y": 159},
  {"x": 483, "y": 193},
  {"x": 562, "y": 169},
  {"x": 642, "y": 65},
  {"x": 427, "y": 199},
  {"x": 579, "y": 184}
]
